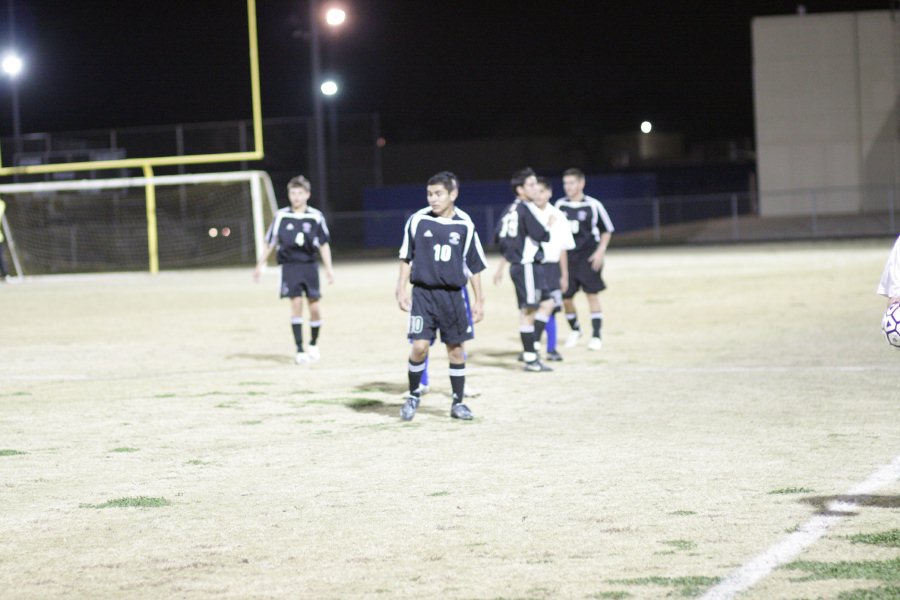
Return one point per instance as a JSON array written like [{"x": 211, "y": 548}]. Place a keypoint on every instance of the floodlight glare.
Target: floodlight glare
[
  {"x": 646, "y": 127},
  {"x": 329, "y": 88},
  {"x": 12, "y": 64},
  {"x": 335, "y": 16}
]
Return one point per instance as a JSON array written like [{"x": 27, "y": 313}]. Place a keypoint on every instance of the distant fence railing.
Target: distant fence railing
[
  {"x": 729, "y": 217},
  {"x": 354, "y": 159}
]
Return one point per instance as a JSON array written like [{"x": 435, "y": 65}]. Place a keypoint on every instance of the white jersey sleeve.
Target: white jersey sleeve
[
  {"x": 890, "y": 278},
  {"x": 564, "y": 230}
]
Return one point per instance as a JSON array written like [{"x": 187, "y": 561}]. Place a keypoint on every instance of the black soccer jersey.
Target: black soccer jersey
[
  {"x": 520, "y": 233},
  {"x": 444, "y": 252},
  {"x": 298, "y": 235},
  {"x": 588, "y": 220}
]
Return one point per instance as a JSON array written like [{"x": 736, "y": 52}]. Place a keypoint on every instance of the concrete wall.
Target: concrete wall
[{"x": 826, "y": 99}]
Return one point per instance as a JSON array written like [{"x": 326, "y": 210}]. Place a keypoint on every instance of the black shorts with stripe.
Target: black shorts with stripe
[
  {"x": 439, "y": 309},
  {"x": 582, "y": 276},
  {"x": 528, "y": 280},
  {"x": 551, "y": 275},
  {"x": 300, "y": 279}
]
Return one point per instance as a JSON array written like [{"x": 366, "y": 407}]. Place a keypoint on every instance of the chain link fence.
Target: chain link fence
[
  {"x": 354, "y": 162},
  {"x": 353, "y": 158},
  {"x": 683, "y": 219}
]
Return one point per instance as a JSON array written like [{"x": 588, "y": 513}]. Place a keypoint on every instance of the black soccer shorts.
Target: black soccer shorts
[
  {"x": 550, "y": 276},
  {"x": 531, "y": 288},
  {"x": 300, "y": 279},
  {"x": 582, "y": 276},
  {"x": 441, "y": 310}
]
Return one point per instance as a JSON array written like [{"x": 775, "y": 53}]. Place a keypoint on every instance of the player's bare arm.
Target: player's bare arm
[
  {"x": 477, "y": 298},
  {"x": 257, "y": 272},
  {"x": 563, "y": 271},
  {"x": 501, "y": 268},
  {"x": 325, "y": 253},
  {"x": 597, "y": 257},
  {"x": 402, "y": 292}
]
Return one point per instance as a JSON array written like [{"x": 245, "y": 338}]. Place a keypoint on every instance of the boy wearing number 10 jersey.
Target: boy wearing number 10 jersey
[{"x": 441, "y": 253}]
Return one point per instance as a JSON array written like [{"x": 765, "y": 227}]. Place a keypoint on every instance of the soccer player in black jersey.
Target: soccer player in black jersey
[
  {"x": 519, "y": 234},
  {"x": 592, "y": 229},
  {"x": 424, "y": 386},
  {"x": 555, "y": 266},
  {"x": 299, "y": 233},
  {"x": 440, "y": 254}
]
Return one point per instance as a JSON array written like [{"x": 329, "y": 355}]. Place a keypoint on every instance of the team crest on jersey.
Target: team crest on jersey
[
  {"x": 582, "y": 215},
  {"x": 428, "y": 234},
  {"x": 290, "y": 227},
  {"x": 307, "y": 227},
  {"x": 454, "y": 238}
]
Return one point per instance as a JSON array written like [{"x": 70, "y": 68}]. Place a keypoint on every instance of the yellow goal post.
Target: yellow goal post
[{"x": 147, "y": 163}]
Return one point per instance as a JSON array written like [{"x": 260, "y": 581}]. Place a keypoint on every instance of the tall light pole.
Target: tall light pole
[
  {"x": 334, "y": 17},
  {"x": 12, "y": 66},
  {"x": 318, "y": 119},
  {"x": 330, "y": 90}
]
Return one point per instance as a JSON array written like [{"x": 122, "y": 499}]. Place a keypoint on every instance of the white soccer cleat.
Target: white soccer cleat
[
  {"x": 470, "y": 392},
  {"x": 302, "y": 358},
  {"x": 422, "y": 389},
  {"x": 595, "y": 343},
  {"x": 572, "y": 340},
  {"x": 312, "y": 352}
]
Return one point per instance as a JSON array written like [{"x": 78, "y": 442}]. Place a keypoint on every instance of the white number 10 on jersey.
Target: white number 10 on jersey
[{"x": 442, "y": 252}]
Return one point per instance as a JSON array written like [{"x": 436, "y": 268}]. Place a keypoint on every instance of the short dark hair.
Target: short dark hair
[
  {"x": 545, "y": 182},
  {"x": 519, "y": 177},
  {"x": 299, "y": 182},
  {"x": 446, "y": 179},
  {"x": 574, "y": 172}
]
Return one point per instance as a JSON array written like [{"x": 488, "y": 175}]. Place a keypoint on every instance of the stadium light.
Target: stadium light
[
  {"x": 329, "y": 87},
  {"x": 12, "y": 64},
  {"x": 646, "y": 127},
  {"x": 335, "y": 16}
]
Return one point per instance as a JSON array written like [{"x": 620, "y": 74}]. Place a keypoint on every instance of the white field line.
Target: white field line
[
  {"x": 760, "y": 369},
  {"x": 791, "y": 546},
  {"x": 337, "y": 373},
  {"x": 46, "y": 377},
  {"x": 474, "y": 368}
]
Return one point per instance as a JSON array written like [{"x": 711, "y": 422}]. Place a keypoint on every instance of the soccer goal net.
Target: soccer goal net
[{"x": 201, "y": 220}]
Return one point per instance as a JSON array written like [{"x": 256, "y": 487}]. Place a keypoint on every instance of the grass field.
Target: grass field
[{"x": 157, "y": 441}]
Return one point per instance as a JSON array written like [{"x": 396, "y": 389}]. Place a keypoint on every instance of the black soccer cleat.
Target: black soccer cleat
[
  {"x": 554, "y": 355},
  {"x": 461, "y": 411},
  {"x": 408, "y": 410},
  {"x": 536, "y": 366}
]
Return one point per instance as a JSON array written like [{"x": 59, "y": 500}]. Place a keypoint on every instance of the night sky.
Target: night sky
[{"x": 434, "y": 70}]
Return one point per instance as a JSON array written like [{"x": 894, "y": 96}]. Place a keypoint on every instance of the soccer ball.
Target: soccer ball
[{"x": 890, "y": 325}]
